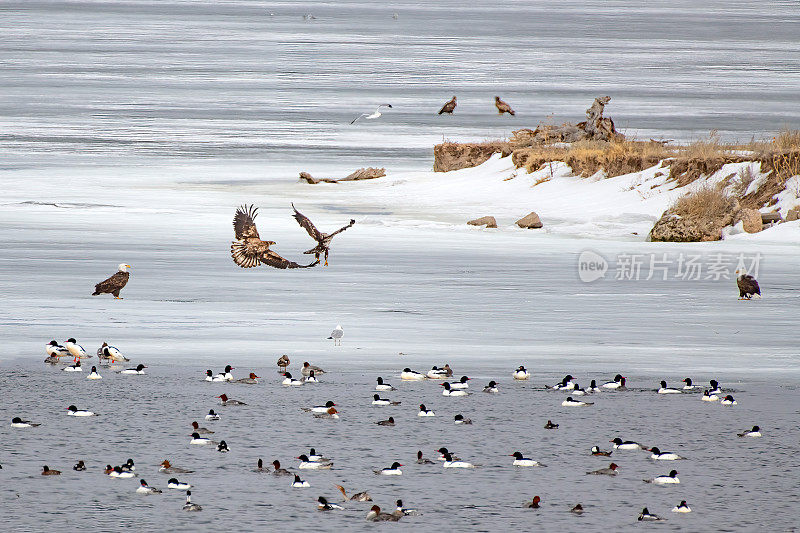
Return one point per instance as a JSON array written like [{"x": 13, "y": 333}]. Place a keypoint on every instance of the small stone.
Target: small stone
[
  {"x": 751, "y": 220},
  {"x": 487, "y": 221},
  {"x": 530, "y": 221}
]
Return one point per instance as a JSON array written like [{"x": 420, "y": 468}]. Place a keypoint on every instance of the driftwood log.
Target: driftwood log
[
  {"x": 308, "y": 178},
  {"x": 596, "y": 127},
  {"x": 366, "y": 173}
]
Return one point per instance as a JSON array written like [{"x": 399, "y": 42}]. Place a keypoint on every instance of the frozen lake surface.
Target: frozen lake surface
[
  {"x": 131, "y": 131},
  {"x": 258, "y": 82}
]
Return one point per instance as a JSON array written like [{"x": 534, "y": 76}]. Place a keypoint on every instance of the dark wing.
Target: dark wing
[
  {"x": 748, "y": 285},
  {"x": 338, "y": 231},
  {"x": 244, "y": 224},
  {"x": 274, "y": 260},
  {"x": 247, "y": 253},
  {"x": 114, "y": 283},
  {"x": 448, "y": 107},
  {"x": 504, "y": 107},
  {"x": 307, "y": 225}
]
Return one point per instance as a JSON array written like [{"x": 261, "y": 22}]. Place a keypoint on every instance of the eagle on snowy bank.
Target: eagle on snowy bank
[
  {"x": 115, "y": 283},
  {"x": 248, "y": 250}
]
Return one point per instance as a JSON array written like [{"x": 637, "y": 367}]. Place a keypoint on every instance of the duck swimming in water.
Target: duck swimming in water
[
  {"x": 375, "y": 515},
  {"x": 533, "y": 504},
  {"x": 189, "y": 506}
]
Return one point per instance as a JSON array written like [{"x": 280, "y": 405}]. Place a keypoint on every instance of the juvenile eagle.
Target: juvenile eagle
[
  {"x": 115, "y": 283},
  {"x": 503, "y": 107},
  {"x": 748, "y": 286},
  {"x": 323, "y": 239},
  {"x": 448, "y": 107},
  {"x": 248, "y": 250}
]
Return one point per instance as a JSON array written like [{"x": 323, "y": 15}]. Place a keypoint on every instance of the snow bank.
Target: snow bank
[{"x": 620, "y": 208}]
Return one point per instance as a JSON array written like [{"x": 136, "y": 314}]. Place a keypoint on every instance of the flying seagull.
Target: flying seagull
[
  {"x": 115, "y": 283},
  {"x": 503, "y": 107},
  {"x": 448, "y": 107},
  {"x": 748, "y": 286},
  {"x": 337, "y": 335},
  {"x": 248, "y": 250},
  {"x": 375, "y": 114},
  {"x": 323, "y": 239}
]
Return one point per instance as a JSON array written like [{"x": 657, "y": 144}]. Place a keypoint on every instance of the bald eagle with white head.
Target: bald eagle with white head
[
  {"x": 748, "y": 286},
  {"x": 248, "y": 250},
  {"x": 115, "y": 283}
]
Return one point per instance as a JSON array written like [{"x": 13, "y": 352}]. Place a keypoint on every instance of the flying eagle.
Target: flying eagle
[
  {"x": 323, "y": 239},
  {"x": 448, "y": 107},
  {"x": 503, "y": 107},
  {"x": 115, "y": 283},
  {"x": 748, "y": 286},
  {"x": 248, "y": 250}
]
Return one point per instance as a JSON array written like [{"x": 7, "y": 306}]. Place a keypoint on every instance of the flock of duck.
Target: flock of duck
[{"x": 311, "y": 461}]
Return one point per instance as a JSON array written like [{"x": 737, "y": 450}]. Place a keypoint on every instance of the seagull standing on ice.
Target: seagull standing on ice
[
  {"x": 375, "y": 114},
  {"x": 337, "y": 335}
]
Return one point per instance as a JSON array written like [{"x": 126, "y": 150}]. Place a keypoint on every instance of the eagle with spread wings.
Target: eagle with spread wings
[
  {"x": 248, "y": 250},
  {"x": 323, "y": 239}
]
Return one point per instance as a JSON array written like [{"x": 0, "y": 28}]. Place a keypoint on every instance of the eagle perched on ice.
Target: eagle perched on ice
[
  {"x": 748, "y": 286},
  {"x": 503, "y": 107},
  {"x": 448, "y": 107},
  {"x": 248, "y": 250},
  {"x": 115, "y": 283},
  {"x": 323, "y": 239}
]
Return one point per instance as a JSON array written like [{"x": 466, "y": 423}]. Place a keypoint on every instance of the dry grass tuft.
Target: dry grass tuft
[
  {"x": 686, "y": 162},
  {"x": 744, "y": 179},
  {"x": 707, "y": 202},
  {"x": 449, "y": 155},
  {"x": 782, "y": 155},
  {"x": 786, "y": 164},
  {"x": 588, "y": 157},
  {"x": 710, "y": 148},
  {"x": 702, "y": 157},
  {"x": 787, "y": 140}
]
